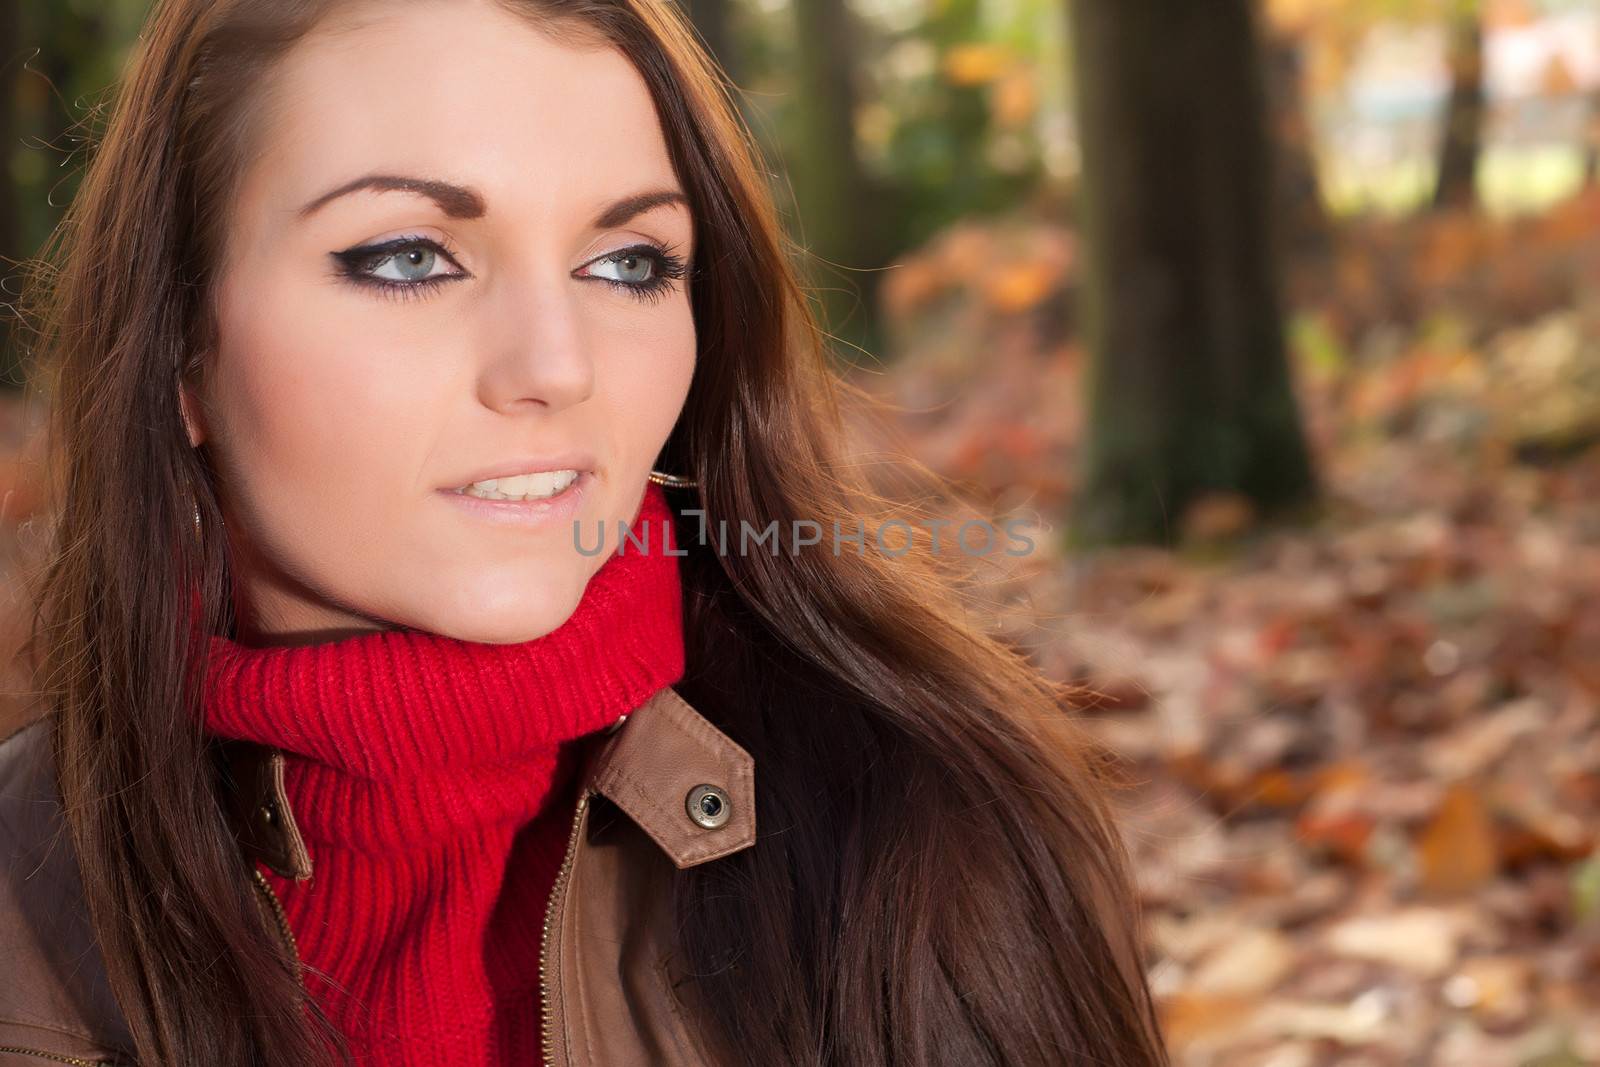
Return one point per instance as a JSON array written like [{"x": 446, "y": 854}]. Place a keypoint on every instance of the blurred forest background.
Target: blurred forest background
[{"x": 1282, "y": 318}]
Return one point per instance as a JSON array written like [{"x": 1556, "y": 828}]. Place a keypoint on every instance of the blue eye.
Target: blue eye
[
  {"x": 645, "y": 272},
  {"x": 418, "y": 258},
  {"x": 412, "y": 260},
  {"x": 406, "y": 268}
]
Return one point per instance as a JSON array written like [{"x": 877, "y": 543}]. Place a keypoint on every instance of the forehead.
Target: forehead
[{"x": 465, "y": 91}]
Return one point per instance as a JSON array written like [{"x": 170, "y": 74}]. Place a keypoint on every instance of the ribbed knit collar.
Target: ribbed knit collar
[
  {"x": 396, "y": 735},
  {"x": 429, "y": 779}
]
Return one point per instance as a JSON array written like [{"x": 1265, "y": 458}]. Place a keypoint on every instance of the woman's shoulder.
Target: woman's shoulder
[
  {"x": 30, "y": 806},
  {"x": 29, "y": 803},
  {"x": 56, "y": 997},
  {"x": 21, "y": 745}
]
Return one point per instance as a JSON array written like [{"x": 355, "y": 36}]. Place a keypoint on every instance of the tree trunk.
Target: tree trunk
[
  {"x": 1189, "y": 384},
  {"x": 838, "y": 224},
  {"x": 1462, "y": 138},
  {"x": 1304, "y": 229}
]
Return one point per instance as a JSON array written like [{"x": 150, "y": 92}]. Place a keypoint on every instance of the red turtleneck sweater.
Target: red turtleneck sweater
[{"x": 433, "y": 782}]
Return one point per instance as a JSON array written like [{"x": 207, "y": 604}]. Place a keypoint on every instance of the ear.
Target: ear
[{"x": 190, "y": 408}]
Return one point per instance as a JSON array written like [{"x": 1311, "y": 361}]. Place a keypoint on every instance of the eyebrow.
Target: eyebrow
[{"x": 462, "y": 202}]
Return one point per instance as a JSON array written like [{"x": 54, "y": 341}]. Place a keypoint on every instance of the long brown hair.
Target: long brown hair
[{"x": 938, "y": 878}]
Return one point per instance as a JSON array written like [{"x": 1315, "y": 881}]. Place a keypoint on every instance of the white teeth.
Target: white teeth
[{"x": 523, "y": 486}]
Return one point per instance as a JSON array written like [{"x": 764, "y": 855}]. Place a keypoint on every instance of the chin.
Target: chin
[{"x": 496, "y": 613}]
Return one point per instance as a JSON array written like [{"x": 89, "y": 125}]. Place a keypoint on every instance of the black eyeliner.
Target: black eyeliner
[{"x": 355, "y": 263}]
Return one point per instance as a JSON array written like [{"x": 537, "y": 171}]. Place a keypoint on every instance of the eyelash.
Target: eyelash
[{"x": 356, "y": 263}]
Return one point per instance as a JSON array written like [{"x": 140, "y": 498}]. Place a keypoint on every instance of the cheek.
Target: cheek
[
  {"x": 649, "y": 381},
  {"x": 321, "y": 418}
]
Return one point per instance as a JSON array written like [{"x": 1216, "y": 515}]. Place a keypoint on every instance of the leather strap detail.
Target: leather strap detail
[{"x": 661, "y": 752}]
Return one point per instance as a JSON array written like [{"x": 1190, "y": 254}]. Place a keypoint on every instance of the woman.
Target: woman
[{"x": 373, "y": 330}]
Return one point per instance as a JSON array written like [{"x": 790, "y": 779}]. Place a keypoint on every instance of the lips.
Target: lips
[
  {"x": 539, "y": 486},
  {"x": 525, "y": 513},
  {"x": 514, "y": 466}
]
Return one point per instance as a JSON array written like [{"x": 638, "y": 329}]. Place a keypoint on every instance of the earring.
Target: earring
[
  {"x": 199, "y": 531},
  {"x": 673, "y": 481}
]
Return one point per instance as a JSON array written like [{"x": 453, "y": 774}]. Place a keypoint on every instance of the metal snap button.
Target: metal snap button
[
  {"x": 709, "y": 806},
  {"x": 269, "y": 812}
]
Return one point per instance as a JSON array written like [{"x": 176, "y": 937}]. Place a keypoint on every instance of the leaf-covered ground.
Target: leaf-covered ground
[{"x": 1366, "y": 750}]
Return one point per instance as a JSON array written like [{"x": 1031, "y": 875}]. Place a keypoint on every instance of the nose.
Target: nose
[{"x": 540, "y": 352}]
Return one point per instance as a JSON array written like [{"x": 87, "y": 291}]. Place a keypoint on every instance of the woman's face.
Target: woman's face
[{"x": 521, "y": 318}]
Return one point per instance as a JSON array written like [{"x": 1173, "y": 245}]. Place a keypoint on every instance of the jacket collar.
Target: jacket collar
[{"x": 648, "y": 764}]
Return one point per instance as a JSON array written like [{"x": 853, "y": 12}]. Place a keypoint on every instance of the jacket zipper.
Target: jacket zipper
[
  {"x": 278, "y": 914},
  {"x": 547, "y": 1013},
  {"x": 54, "y": 1057}
]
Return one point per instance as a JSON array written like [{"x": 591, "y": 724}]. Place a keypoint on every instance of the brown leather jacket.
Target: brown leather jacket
[{"x": 662, "y": 788}]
